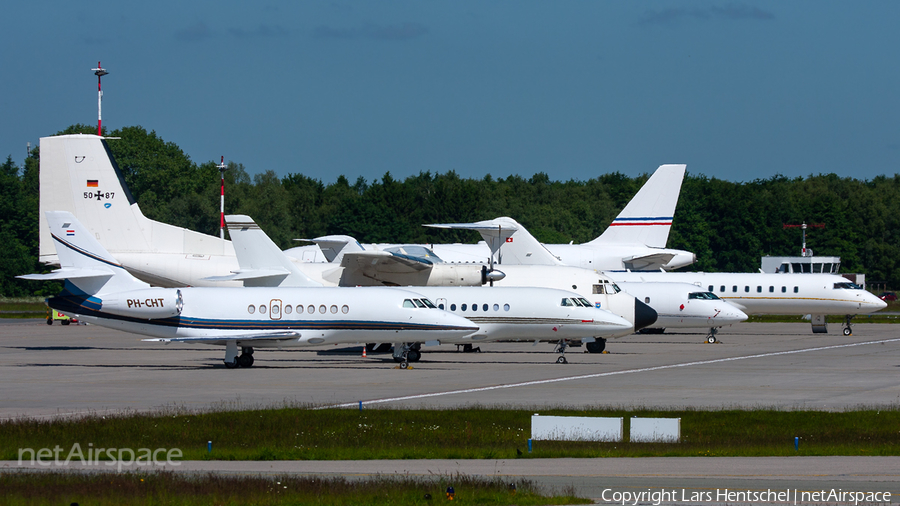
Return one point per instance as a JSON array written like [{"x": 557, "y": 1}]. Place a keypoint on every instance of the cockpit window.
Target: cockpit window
[
  {"x": 703, "y": 296},
  {"x": 419, "y": 303},
  {"x": 415, "y": 251},
  {"x": 429, "y": 304},
  {"x": 615, "y": 287},
  {"x": 848, "y": 285},
  {"x": 585, "y": 302},
  {"x": 408, "y": 303},
  {"x": 566, "y": 302}
]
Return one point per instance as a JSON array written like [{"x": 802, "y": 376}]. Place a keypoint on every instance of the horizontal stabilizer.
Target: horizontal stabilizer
[
  {"x": 250, "y": 274},
  {"x": 335, "y": 246},
  {"x": 68, "y": 273}
]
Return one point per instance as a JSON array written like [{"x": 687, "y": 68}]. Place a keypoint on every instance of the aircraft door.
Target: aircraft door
[
  {"x": 275, "y": 309},
  {"x": 441, "y": 304}
]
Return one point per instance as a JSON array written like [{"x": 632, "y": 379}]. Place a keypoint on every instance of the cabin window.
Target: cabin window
[
  {"x": 299, "y": 308},
  {"x": 771, "y": 289},
  {"x": 262, "y": 309},
  {"x": 783, "y": 289},
  {"x": 345, "y": 309},
  {"x": 474, "y": 307},
  {"x": 646, "y": 300},
  {"x": 746, "y": 289},
  {"x": 758, "y": 289},
  {"x": 506, "y": 307},
  {"x": 322, "y": 309},
  {"x": 722, "y": 288},
  {"x": 452, "y": 307},
  {"x": 496, "y": 307},
  {"x": 408, "y": 303},
  {"x": 710, "y": 288},
  {"x": 463, "y": 307},
  {"x": 484, "y": 307},
  {"x": 288, "y": 309},
  {"x": 275, "y": 310},
  {"x": 251, "y": 309},
  {"x": 333, "y": 309},
  {"x": 796, "y": 289},
  {"x": 734, "y": 288}
]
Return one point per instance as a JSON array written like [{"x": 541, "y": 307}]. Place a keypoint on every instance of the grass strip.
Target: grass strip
[
  {"x": 163, "y": 488},
  {"x": 297, "y": 433}
]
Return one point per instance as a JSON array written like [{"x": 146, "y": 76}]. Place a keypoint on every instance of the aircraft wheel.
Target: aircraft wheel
[
  {"x": 414, "y": 355},
  {"x": 245, "y": 360},
  {"x": 404, "y": 365},
  {"x": 49, "y": 321},
  {"x": 231, "y": 365},
  {"x": 562, "y": 360},
  {"x": 597, "y": 346},
  {"x": 848, "y": 331},
  {"x": 65, "y": 322},
  {"x": 467, "y": 348},
  {"x": 711, "y": 339}
]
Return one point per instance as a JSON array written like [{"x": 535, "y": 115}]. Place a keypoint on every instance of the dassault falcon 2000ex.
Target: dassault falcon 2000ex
[
  {"x": 100, "y": 291},
  {"x": 501, "y": 313}
]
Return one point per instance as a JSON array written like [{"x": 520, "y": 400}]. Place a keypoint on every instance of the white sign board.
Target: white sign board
[
  {"x": 576, "y": 428},
  {"x": 655, "y": 430}
]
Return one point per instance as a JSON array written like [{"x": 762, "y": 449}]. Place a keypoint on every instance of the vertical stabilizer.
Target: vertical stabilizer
[
  {"x": 84, "y": 263},
  {"x": 510, "y": 242},
  {"x": 647, "y": 218}
]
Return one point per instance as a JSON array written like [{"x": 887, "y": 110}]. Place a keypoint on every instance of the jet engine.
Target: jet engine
[{"x": 149, "y": 303}]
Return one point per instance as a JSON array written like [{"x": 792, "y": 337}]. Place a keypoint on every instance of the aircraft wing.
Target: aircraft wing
[
  {"x": 654, "y": 261},
  {"x": 384, "y": 262},
  {"x": 277, "y": 336},
  {"x": 241, "y": 275}
]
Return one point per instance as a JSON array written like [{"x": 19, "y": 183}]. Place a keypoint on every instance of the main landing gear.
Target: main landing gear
[
  {"x": 597, "y": 346},
  {"x": 233, "y": 360},
  {"x": 406, "y": 353}
]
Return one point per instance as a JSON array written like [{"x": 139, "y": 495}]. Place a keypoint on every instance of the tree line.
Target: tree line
[{"x": 728, "y": 225}]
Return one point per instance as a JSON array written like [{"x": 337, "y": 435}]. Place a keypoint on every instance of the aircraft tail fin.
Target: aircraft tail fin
[
  {"x": 510, "y": 242},
  {"x": 335, "y": 246},
  {"x": 261, "y": 262},
  {"x": 84, "y": 263},
  {"x": 79, "y": 174},
  {"x": 647, "y": 218}
]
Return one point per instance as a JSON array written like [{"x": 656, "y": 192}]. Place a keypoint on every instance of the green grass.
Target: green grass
[
  {"x": 340, "y": 434},
  {"x": 23, "y": 307},
  {"x": 163, "y": 488}
]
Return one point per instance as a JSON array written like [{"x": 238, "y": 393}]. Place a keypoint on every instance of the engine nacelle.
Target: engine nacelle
[
  {"x": 149, "y": 303},
  {"x": 455, "y": 275}
]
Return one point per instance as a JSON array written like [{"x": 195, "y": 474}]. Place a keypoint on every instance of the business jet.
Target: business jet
[
  {"x": 501, "y": 313},
  {"x": 783, "y": 293},
  {"x": 100, "y": 291}
]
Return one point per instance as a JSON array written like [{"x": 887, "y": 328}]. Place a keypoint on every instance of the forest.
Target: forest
[{"x": 729, "y": 225}]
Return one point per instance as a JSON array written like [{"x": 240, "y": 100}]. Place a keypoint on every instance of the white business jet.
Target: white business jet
[
  {"x": 99, "y": 290},
  {"x": 678, "y": 305},
  {"x": 783, "y": 293},
  {"x": 501, "y": 313}
]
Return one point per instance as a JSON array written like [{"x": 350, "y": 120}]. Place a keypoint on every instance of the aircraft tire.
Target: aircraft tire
[
  {"x": 49, "y": 321},
  {"x": 848, "y": 331},
  {"x": 245, "y": 360},
  {"x": 562, "y": 360},
  {"x": 414, "y": 355},
  {"x": 65, "y": 322},
  {"x": 231, "y": 365},
  {"x": 597, "y": 346},
  {"x": 711, "y": 339},
  {"x": 404, "y": 365}
]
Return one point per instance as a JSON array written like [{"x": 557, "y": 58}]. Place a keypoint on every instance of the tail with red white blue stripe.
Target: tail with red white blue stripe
[{"x": 647, "y": 218}]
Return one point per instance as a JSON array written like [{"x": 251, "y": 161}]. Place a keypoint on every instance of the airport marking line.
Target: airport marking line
[{"x": 602, "y": 374}]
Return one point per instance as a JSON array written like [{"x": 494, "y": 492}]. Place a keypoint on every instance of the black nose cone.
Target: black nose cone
[{"x": 644, "y": 315}]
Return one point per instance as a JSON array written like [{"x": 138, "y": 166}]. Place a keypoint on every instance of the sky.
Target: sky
[{"x": 575, "y": 89}]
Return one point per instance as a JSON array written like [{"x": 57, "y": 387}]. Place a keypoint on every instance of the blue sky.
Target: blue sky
[{"x": 736, "y": 90}]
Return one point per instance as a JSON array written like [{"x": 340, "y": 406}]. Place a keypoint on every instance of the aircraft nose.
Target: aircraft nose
[{"x": 644, "y": 315}]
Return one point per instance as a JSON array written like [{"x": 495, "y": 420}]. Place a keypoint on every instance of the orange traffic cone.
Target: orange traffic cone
[{"x": 364, "y": 351}]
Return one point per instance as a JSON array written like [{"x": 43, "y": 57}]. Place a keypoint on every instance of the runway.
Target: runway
[{"x": 56, "y": 370}]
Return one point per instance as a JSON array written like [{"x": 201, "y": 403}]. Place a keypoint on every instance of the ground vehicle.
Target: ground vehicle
[
  {"x": 57, "y": 316},
  {"x": 888, "y": 296}
]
